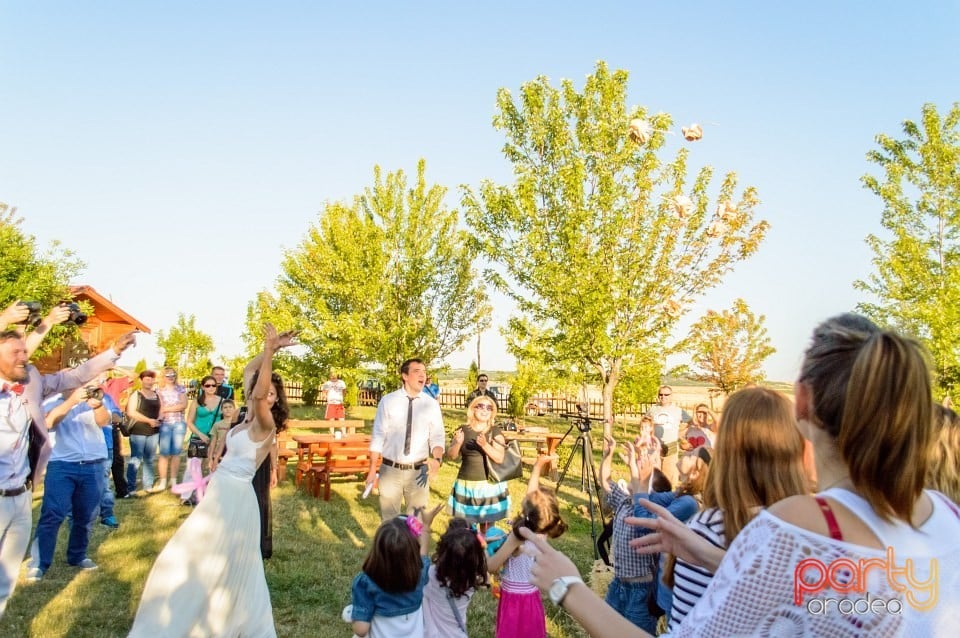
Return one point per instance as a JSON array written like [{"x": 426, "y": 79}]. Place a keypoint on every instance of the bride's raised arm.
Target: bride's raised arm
[{"x": 259, "y": 395}]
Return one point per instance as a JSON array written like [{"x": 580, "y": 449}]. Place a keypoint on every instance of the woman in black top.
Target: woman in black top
[
  {"x": 143, "y": 408},
  {"x": 473, "y": 497}
]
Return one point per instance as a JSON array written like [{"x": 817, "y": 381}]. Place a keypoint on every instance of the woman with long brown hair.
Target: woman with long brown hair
[{"x": 757, "y": 461}]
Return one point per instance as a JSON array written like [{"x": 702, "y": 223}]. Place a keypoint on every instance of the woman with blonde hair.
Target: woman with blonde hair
[
  {"x": 873, "y": 553},
  {"x": 473, "y": 497},
  {"x": 757, "y": 461}
]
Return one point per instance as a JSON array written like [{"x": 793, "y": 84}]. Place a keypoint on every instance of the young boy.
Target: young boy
[
  {"x": 218, "y": 434},
  {"x": 633, "y": 574}
]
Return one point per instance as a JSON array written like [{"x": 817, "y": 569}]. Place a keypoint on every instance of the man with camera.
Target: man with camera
[{"x": 22, "y": 430}]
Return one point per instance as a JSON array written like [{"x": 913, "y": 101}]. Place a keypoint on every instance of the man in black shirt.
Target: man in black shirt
[{"x": 482, "y": 382}]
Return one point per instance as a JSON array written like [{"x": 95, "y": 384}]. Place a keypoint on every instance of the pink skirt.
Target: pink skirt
[{"x": 521, "y": 616}]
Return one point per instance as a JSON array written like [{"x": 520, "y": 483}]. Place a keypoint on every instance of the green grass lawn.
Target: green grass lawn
[{"x": 318, "y": 549}]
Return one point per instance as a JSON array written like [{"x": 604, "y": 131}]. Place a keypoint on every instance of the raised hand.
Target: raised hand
[
  {"x": 271, "y": 340},
  {"x": 57, "y": 315},
  {"x": 13, "y": 314},
  {"x": 609, "y": 444},
  {"x": 124, "y": 341},
  {"x": 288, "y": 338}
]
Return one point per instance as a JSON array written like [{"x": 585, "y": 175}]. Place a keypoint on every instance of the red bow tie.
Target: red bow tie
[{"x": 16, "y": 388}]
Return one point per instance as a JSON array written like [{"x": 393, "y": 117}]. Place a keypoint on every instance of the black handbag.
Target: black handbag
[
  {"x": 510, "y": 468},
  {"x": 196, "y": 448}
]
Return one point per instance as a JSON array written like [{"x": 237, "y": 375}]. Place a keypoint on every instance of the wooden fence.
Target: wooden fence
[{"x": 537, "y": 404}]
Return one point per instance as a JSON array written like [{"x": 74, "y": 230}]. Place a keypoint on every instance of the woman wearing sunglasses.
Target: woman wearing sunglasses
[
  {"x": 202, "y": 413},
  {"x": 473, "y": 497}
]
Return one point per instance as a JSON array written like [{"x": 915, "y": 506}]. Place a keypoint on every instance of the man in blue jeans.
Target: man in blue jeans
[{"x": 75, "y": 477}]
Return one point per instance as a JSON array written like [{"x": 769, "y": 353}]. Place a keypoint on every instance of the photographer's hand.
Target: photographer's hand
[{"x": 13, "y": 314}]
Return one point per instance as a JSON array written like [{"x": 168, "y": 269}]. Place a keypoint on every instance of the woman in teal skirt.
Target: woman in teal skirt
[{"x": 474, "y": 497}]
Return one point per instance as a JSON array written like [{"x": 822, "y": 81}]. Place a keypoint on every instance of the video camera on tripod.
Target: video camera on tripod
[{"x": 581, "y": 419}]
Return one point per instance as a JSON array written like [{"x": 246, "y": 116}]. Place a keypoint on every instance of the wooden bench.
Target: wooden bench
[
  {"x": 347, "y": 426},
  {"x": 346, "y": 459}
]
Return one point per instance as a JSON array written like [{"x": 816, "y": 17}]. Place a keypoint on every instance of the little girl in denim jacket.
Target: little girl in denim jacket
[{"x": 388, "y": 593}]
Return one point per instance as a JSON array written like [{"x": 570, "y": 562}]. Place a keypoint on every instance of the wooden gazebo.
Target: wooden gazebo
[{"x": 107, "y": 322}]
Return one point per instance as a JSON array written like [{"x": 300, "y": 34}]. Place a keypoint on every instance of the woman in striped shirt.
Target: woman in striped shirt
[{"x": 757, "y": 460}]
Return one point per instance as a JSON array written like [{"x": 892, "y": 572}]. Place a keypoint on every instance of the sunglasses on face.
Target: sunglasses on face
[
  {"x": 209, "y": 385},
  {"x": 483, "y": 406},
  {"x": 663, "y": 395}
]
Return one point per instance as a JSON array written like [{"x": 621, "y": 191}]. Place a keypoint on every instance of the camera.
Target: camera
[
  {"x": 93, "y": 392},
  {"x": 77, "y": 317},
  {"x": 34, "y": 318},
  {"x": 580, "y": 419}
]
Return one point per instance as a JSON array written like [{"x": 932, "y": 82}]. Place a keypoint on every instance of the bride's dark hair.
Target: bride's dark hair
[{"x": 280, "y": 410}]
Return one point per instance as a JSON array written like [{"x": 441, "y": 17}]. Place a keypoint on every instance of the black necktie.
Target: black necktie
[{"x": 406, "y": 439}]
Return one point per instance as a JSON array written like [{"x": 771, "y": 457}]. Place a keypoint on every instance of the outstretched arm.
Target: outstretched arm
[
  {"x": 272, "y": 342},
  {"x": 542, "y": 461},
  {"x": 609, "y": 443}
]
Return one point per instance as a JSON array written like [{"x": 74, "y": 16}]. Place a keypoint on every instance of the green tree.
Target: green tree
[
  {"x": 186, "y": 348},
  {"x": 473, "y": 373},
  {"x": 601, "y": 244},
  {"x": 28, "y": 273},
  {"x": 916, "y": 281},
  {"x": 728, "y": 348},
  {"x": 381, "y": 279}
]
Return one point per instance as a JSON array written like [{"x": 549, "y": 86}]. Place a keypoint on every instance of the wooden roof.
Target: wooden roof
[{"x": 105, "y": 309}]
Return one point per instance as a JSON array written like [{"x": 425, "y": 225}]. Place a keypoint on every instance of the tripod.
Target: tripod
[{"x": 589, "y": 482}]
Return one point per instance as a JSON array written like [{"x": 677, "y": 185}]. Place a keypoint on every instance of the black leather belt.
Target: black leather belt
[
  {"x": 405, "y": 466},
  {"x": 17, "y": 491}
]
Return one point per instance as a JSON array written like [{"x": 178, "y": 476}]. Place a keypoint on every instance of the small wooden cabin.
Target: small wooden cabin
[{"x": 107, "y": 322}]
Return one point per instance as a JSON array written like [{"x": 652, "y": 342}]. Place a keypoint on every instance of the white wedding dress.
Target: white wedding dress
[{"x": 209, "y": 580}]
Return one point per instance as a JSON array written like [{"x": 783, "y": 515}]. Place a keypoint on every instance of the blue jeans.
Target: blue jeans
[
  {"x": 171, "y": 438},
  {"x": 69, "y": 486},
  {"x": 630, "y": 601},
  {"x": 143, "y": 450},
  {"x": 107, "y": 497}
]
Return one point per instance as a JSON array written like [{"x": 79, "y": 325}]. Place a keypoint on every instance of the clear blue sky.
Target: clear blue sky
[{"x": 181, "y": 147}]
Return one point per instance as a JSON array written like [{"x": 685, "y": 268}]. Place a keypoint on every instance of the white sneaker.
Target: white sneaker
[
  {"x": 34, "y": 575},
  {"x": 86, "y": 564}
]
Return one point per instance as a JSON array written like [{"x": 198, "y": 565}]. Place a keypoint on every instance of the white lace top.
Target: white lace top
[{"x": 752, "y": 592}]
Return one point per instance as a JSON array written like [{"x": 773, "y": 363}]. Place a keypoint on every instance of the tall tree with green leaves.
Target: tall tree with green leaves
[
  {"x": 385, "y": 277},
  {"x": 728, "y": 348},
  {"x": 186, "y": 348},
  {"x": 916, "y": 282},
  {"x": 29, "y": 273},
  {"x": 601, "y": 243}
]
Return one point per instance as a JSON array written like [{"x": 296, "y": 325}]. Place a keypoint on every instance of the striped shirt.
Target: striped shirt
[{"x": 690, "y": 581}]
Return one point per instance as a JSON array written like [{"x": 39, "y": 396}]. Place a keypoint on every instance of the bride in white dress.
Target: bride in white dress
[{"x": 209, "y": 580}]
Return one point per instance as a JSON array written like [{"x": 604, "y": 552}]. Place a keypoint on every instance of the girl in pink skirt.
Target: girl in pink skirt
[{"x": 520, "y": 613}]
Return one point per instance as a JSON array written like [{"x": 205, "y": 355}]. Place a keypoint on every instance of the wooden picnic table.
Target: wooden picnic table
[
  {"x": 319, "y": 456},
  {"x": 346, "y": 426},
  {"x": 546, "y": 443}
]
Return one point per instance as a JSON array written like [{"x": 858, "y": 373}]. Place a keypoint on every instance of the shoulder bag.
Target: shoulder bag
[{"x": 510, "y": 468}]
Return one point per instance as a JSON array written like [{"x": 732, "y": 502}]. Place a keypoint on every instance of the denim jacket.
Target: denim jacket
[{"x": 369, "y": 600}]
